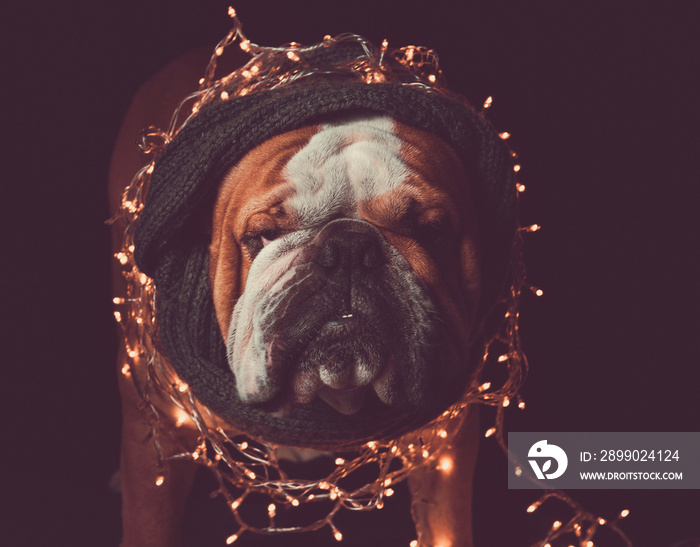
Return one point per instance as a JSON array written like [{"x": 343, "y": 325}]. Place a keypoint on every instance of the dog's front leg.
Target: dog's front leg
[
  {"x": 151, "y": 513},
  {"x": 441, "y": 494}
]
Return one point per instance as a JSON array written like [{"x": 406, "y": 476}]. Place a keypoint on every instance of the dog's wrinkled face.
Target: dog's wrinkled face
[{"x": 344, "y": 265}]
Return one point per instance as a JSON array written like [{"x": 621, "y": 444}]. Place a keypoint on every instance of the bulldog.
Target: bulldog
[{"x": 326, "y": 257}]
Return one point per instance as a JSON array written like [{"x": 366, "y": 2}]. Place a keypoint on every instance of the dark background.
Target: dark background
[{"x": 601, "y": 102}]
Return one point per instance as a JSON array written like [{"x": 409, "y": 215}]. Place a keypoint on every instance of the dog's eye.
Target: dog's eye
[
  {"x": 268, "y": 236},
  {"x": 255, "y": 240}
]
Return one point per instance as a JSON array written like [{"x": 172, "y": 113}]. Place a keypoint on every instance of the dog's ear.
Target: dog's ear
[{"x": 226, "y": 262}]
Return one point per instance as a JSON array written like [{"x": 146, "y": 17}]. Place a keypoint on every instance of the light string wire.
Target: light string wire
[{"x": 245, "y": 467}]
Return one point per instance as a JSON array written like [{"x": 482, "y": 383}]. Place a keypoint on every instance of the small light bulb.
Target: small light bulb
[
  {"x": 601, "y": 521},
  {"x": 338, "y": 536},
  {"x": 126, "y": 370},
  {"x": 339, "y": 461},
  {"x": 326, "y": 37},
  {"x": 624, "y": 513},
  {"x": 556, "y": 525},
  {"x": 432, "y": 78},
  {"x": 201, "y": 81},
  {"x": 442, "y": 433},
  {"x": 117, "y": 316},
  {"x": 244, "y": 445},
  {"x": 219, "y": 51},
  {"x": 539, "y": 292},
  {"x": 231, "y": 11},
  {"x": 231, "y": 539},
  {"x": 503, "y": 358},
  {"x": 445, "y": 464},
  {"x": 295, "y": 502},
  {"x": 516, "y": 167},
  {"x": 518, "y": 471},
  {"x": 531, "y": 509},
  {"x": 250, "y": 474},
  {"x": 160, "y": 479},
  {"x": 389, "y": 492},
  {"x": 426, "y": 453},
  {"x": 521, "y": 405},
  {"x": 245, "y": 45},
  {"x": 488, "y": 102},
  {"x": 521, "y": 187},
  {"x": 271, "y": 509},
  {"x": 490, "y": 432},
  {"x": 235, "y": 504},
  {"x": 484, "y": 386},
  {"x": 506, "y": 402},
  {"x": 224, "y": 95},
  {"x": 414, "y": 543}
]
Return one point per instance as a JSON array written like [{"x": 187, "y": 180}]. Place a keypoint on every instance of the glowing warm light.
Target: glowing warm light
[
  {"x": 293, "y": 56},
  {"x": 326, "y": 37},
  {"x": 589, "y": 544},
  {"x": 160, "y": 479},
  {"x": 126, "y": 370},
  {"x": 488, "y": 102},
  {"x": 521, "y": 187},
  {"x": 521, "y": 405},
  {"x": 601, "y": 521},
  {"x": 224, "y": 95},
  {"x": 117, "y": 316},
  {"x": 506, "y": 402},
  {"x": 271, "y": 510},
  {"x": 389, "y": 492},
  {"x": 531, "y": 509},
  {"x": 484, "y": 386},
  {"x": 118, "y": 300},
  {"x": 414, "y": 543},
  {"x": 426, "y": 453},
  {"x": 323, "y": 485},
  {"x": 250, "y": 474},
  {"x": 385, "y": 43},
  {"x": 243, "y": 445},
  {"x": 219, "y": 51},
  {"x": 337, "y": 535},
  {"x": 182, "y": 387},
  {"x": 245, "y": 45},
  {"x": 505, "y": 135},
  {"x": 295, "y": 502},
  {"x": 380, "y": 504},
  {"x": 247, "y": 74},
  {"x": 394, "y": 449},
  {"x": 624, "y": 513},
  {"x": 333, "y": 494},
  {"x": 539, "y": 292},
  {"x": 446, "y": 464},
  {"x": 231, "y": 539},
  {"x": 231, "y": 11},
  {"x": 235, "y": 504},
  {"x": 387, "y": 482},
  {"x": 556, "y": 525},
  {"x": 516, "y": 168},
  {"x": 490, "y": 432},
  {"x": 518, "y": 471},
  {"x": 339, "y": 461},
  {"x": 502, "y": 358},
  {"x": 432, "y": 78}
]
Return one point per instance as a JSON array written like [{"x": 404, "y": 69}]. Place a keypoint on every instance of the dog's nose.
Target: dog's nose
[{"x": 345, "y": 250}]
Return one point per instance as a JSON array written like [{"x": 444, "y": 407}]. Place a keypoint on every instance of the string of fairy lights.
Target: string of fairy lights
[{"x": 246, "y": 467}]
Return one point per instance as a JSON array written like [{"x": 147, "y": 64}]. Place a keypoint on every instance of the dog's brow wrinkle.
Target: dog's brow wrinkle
[{"x": 343, "y": 164}]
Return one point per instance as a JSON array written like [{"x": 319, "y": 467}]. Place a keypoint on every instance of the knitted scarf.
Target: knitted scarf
[{"x": 172, "y": 247}]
